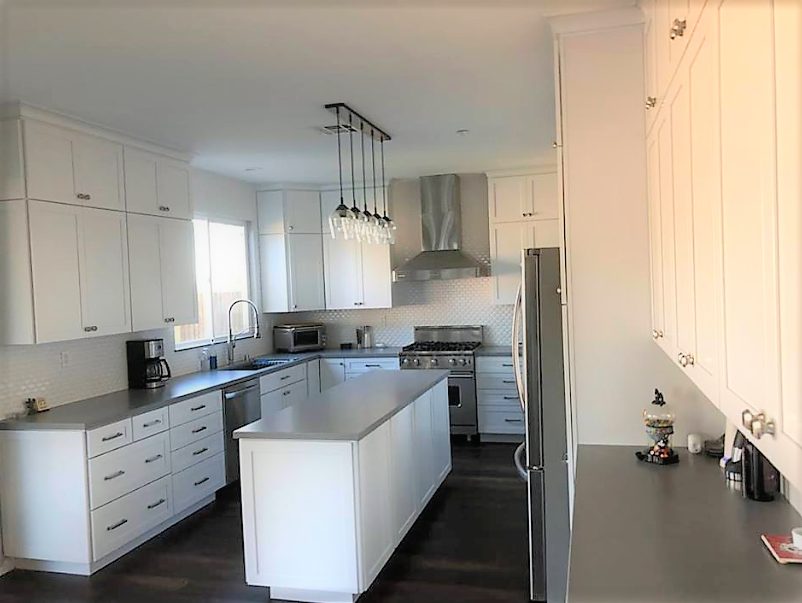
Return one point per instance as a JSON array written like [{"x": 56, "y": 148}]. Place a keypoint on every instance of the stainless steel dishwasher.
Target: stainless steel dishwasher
[{"x": 241, "y": 405}]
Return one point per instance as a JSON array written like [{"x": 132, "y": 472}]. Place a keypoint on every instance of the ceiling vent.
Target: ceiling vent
[{"x": 342, "y": 128}]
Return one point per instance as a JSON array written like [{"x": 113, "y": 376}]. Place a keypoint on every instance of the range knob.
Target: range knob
[
  {"x": 434, "y": 361},
  {"x": 405, "y": 361},
  {"x": 417, "y": 361},
  {"x": 463, "y": 362},
  {"x": 452, "y": 361}
]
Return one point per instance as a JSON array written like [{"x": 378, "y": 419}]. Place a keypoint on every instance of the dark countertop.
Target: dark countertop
[
  {"x": 348, "y": 411},
  {"x": 672, "y": 534},
  {"x": 119, "y": 405}
]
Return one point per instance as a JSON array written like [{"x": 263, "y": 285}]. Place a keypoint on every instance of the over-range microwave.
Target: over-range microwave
[{"x": 304, "y": 337}]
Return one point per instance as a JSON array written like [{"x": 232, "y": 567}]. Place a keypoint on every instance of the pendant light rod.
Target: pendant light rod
[
  {"x": 373, "y": 161},
  {"x": 384, "y": 181},
  {"x": 364, "y": 177},
  {"x": 376, "y": 131},
  {"x": 353, "y": 182},
  {"x": 339, "y": 156}
]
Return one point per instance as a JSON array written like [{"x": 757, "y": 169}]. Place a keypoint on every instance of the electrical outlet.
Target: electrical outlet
[{"x": 65, "y": 359}]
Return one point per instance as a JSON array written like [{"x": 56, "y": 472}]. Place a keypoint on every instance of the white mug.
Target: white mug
[
  {"x": 694, "y": 443},
  {"x": 796, "y": 537}
]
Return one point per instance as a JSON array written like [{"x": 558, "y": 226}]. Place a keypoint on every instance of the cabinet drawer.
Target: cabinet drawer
[
  {"x": 124, "y": 519},
  {"x": 126, "y": 469},
  {"x": 186, "y": 434},
  {"x": 199, "y": 406},
  {"x": 197, "y": 452},
  {"x": 273, "y": 381},
  {"x": 280, "y": 399},
  {"x": 150, "y": 423},
  {"x": 197, "y": 482},
  {"x": 110, "y": 437},
  {"x": 499, "y": 400},
  {"x": 499, "y": 381},
  {"x": 494, "y": 364},
  {"x": 368, "y": 364},
  {"x": 501, "y": 421}
]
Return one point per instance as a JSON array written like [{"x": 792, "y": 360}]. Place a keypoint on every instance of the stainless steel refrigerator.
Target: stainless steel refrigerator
[{"x": 542, "y": 459}]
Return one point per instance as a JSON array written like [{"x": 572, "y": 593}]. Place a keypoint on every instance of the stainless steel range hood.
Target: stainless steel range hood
[{"x": 441, "y": 228}]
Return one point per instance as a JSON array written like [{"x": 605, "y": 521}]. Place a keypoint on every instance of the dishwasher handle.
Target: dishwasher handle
[{"x": 240, "y": 392}]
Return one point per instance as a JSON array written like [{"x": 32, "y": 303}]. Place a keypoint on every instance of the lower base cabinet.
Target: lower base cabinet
[{"x": 375, "y": 489}]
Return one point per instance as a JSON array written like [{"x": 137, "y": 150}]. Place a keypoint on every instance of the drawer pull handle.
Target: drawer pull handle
[
  {"x": 507, "y": 365},
  {"x": 119, "y": 434},
  {"x": 507, "y": 381},
  {"x": 152, "y": 423},
  {"x": 201, "y": 451},
  {"x": 373, "y": 366},
  {"x": 203, "y": 481},
  {"x": 285, "y": 377},
  {"x": 513, "y": 420},
  {"x": 122, "y": 522},
  {"x": 199, "y": 429},
  {"x": 197, "y": 408},
  {"x": 161, "y": 501},
  {"x": 510, "y": 397},
  {"x": 153, "y": 459},
  {"x": 119, "y": 473}
]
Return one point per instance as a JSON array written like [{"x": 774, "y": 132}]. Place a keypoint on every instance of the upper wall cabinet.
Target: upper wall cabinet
[
  {"x": 524, "y": 197},
  {"x": 70, "y": 167},
  {"x": 292, "y": 272},
  {"x": 12, "y": 178},
  {"x": 157, "y": 185},
  {"x": 357, "y": 275},
  {"x": 163, "y": 289},
  {"x": 289, "y": 212}
]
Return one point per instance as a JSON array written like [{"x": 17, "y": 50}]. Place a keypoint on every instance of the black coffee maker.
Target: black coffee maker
[
  {"x": 760, "y": 479},
  {"x": 147, "y": 367}
]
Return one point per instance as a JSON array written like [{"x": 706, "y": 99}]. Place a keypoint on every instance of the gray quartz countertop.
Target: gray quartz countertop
[
  {"x": 670, "y": 534},
  {"x": 348, "y": 411}
]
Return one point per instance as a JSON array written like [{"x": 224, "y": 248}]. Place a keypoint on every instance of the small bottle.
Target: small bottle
[
  {"x": 212, "y": 362},
  {"x": 204, "y": 359}
]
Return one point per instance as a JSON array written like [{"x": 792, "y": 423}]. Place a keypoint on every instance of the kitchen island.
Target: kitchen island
[
  {"x": 669, "y": 534},
  {"x": 332, "y": 484}
]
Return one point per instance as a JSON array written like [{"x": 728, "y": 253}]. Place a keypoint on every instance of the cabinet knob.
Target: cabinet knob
[
  {"x": 290, "y": 227},
  {"x": 762, "y": 426},
  {"x": 164, "y": 208},
  {"x": 691, "y": 360},
  {"x": 678, "y": 28},
  {"x": 655, "y": 334},
  {"x": 555, "y": 145},
  {"x": 682, "y": 359},
  {"x": 651, "y": 102}
]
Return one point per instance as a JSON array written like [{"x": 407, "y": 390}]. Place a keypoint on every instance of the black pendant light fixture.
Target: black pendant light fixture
[
  {"x": 339, "y": 218},
  {"x": 353, "y": 231},
  {"x": 366, "y": 215},
  {"x": 376, "y": 219},
  {"x": 388, "y": 222}
]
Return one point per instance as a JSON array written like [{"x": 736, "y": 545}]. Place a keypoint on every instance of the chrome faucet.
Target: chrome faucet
[{"x": 231, "y": 339}]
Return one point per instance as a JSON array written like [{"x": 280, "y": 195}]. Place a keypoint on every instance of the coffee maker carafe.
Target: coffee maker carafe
[{"x": 147, "y": 367}]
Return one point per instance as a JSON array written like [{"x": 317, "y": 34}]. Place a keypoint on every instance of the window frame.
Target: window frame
[{"x": 255, "y": 332}]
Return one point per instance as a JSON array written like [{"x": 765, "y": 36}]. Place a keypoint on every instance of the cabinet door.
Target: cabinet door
[
  {"x": 506, "y": 242},
  {"x": 145, "y": 273},
  {"x": 541, "y": 200},
  {"x": 655, "y": 236},
  {"x": 751, "y": 368},
  {"x": 104, "y": 272},
  {"x": 679, "y": 15},
  {"x": 177, "y": 254},
  {"x": 55, "y": 268},
  {"x": 403, "y": 471},
  {"x": 141, "y": 192},
  {"x": 332, "y": 372},
  {"x": 305, "y": 257},
  {"x": 377, "y": 277},
  {"x": 174, "y": 188},
  {"x": 650, "y": 62},
  {"x": 509, "y": 198},
  {"x": 313, "y": 377},
  {"x": 342, "y": 268},
  {"x": 666, "y": 182},
  {"x": 48, "y": 163},
  {"x": 424, "y": 450},
  {"x": 539, "y": 234},
  {"x": 302, "y": 212},
  {"x": 441, "y": 432},
  {"x": 329, "y": 200},
  {"x": 98, "y": 172}
]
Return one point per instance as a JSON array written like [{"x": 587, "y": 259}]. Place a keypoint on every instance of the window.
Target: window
[{"x": 222, "y": 276}]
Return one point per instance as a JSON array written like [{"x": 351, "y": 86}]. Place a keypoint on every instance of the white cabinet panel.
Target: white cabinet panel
[
  {"x": 104, "y": 272},
  {"x": 48, "y": 163},
  {"x": 141, "y": 191},
  {"x": 109, "y": 437},
  {"x": 282, "y": 378},
  {"x": 150, "y": 423},
  {"x": 343, "y": 273},
  {"x": 177, "y": 255},
  {"x": 441, "y": 432},
  {"x": 12, "y": 174},
  {"x": 303, "y": 212},
  {"x": 668, "y": 341},
  {"x": 306, "y": 272},
  {"x": 404, "y": 470},
  {"x": 198, "y": 482},
  {"x": 542, "y": 198},
  {"x": 145, "y": 273},
  {"x": 509, "y": 198},
  {"x": 655, "y": 237},
  {"x": 313, "y": 377},
  {"x": 279, "y": 399},
  {"x": 16, "y": 302},
  {"x": 506, "y": 244},
  {"x": 173, "y": 187},
  {"x": 98, "y": 172},
  {"x": 157, "y": 185},
  {"x": 376, "y": 277},
  {"x": 55, "y": 250},
  {"x": 332, "y": 372},
  {"x": 195, "y": 407},
  {"x": 424, "y": 449}
]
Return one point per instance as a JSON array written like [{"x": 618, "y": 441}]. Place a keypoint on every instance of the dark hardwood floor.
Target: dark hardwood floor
[{"x": 469, "y": 545}]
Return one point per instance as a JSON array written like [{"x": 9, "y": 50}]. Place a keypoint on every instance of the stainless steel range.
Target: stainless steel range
[{"x": 450, "y": 348}]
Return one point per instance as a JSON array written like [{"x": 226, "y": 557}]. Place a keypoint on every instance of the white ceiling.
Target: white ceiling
[{"x": 242, "y": 84}]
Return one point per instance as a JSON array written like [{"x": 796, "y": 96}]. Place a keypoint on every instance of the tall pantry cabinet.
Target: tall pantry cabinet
[{"x": 723, "y": 157}]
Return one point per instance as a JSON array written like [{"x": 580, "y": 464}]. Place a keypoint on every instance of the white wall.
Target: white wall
[
  {"x": 616, "y": 364},
  {"x": 461, "y": 301}
]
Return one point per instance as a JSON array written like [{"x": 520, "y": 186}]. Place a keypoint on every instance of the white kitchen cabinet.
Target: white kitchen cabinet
[
  {"x": 157, "y": 185},
  {"x": 68, "y": 167},
  {"x": 289, "y": 212},
  {"x": 163, "y": 289},
  {"x": 279, "y": 399},
  {"x": 424, "y": 449},
  {"x": 79, "y": 259},
  {"x": 403, "y": 486},
  {"x": 523, "y": 197},
  {"x": 357, "y": 275},
  {"x": 12, "y": 176},
  {"x": 332, "y": 372},
  {"x": 292, "y": 272},
  {"x": 313, "y": 377}
]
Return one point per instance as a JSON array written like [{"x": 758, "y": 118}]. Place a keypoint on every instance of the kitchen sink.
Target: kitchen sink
[{"x": 256, "y": 364}]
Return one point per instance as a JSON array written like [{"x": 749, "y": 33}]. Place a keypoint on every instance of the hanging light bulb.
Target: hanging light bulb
[
  {"x": 353, "y": 213},
  {"x": 340, "y": 216},
  {"x": 389, "y": 225}
]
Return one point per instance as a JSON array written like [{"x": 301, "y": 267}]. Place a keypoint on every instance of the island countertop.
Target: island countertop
[
  {"x": 348, "y": 411},
  {"x": 672, "y": 534}
]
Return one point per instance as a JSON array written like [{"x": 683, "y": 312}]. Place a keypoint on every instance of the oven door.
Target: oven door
[{"x": 462, "y": 402}]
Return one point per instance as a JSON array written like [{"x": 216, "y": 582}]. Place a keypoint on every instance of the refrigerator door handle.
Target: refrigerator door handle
[
  {"x": 520, "y": 452},
  {"x": 516, "y": 364}
]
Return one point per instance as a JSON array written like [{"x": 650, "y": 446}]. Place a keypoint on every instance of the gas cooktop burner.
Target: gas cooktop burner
[{"x": 442, "y": 346}]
